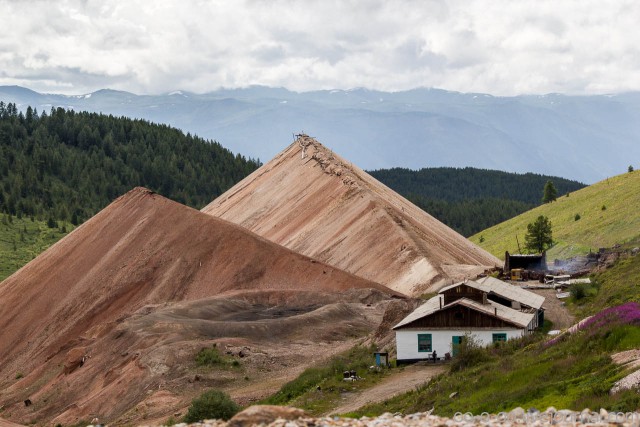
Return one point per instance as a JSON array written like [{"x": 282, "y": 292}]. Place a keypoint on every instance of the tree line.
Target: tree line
[
  {"x": 67, "y": 165},
  {"x": 470, "y": 200}
]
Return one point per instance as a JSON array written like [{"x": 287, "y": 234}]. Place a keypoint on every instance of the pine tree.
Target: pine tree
[
  {"x": 550, "y": 194},
  {"x": 539, "y": 235}
]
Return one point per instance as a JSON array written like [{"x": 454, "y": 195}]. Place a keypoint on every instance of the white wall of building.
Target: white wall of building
[{"x": 407, "y": 340}]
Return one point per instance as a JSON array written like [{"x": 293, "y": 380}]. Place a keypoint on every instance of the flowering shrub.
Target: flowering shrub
[{"x": 625, "y": 314}]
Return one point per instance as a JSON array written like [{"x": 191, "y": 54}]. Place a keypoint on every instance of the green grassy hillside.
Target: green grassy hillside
[
  {"x": 615, "y": 285},
  {"x": 576, "y": 372},
  {"x": 22, "y": 239},
  {"x": 609, "y": 214}
]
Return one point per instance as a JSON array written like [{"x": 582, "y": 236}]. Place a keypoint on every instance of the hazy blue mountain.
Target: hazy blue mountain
[{"x": 586, "y": 138}]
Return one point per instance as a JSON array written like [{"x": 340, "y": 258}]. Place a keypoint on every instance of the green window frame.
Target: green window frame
[
  {"x": 424, "y": 343},
  {"x": 501, "y": 337}
]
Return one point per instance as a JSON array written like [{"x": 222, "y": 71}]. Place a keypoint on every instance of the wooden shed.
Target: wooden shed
[{"x": 531, "y": 262}]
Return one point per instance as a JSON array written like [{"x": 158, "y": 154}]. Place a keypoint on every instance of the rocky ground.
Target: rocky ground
[{"x": 291, "y": 417}]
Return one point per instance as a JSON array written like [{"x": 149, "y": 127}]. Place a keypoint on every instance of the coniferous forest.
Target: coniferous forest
[
  {"x": 67, "y": 165},
  {"x": 470, "y": 200}
]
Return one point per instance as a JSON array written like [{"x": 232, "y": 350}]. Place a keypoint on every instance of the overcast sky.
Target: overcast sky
[{"x": 501, "y": 47}]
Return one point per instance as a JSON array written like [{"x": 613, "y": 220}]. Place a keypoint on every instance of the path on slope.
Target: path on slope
[
  {"x": 408, "y": 379},
  {"x": 555, "y": 310}
]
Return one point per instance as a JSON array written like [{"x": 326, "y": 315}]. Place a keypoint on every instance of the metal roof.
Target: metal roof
[
  {"x": 511, "y": 292},
  {"x": 469, "y": 283},
  {"x": 431, "y": 306},
  {"x": 500, "y": 311}
]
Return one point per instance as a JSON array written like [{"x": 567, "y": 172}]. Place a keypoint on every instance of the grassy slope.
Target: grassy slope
[
  {"x": 615, "y": 286},
  {"x": 576, "y": 373},
  {"x": 21, "y": 240},
  {"x": 619, "y": 223},
  {"x": 320, "y": 388}
]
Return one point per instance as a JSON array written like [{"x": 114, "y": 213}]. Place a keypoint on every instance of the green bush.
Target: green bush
[
  {"x": 577, "y": 217},
  {"x": 470, "y": 353},
  {"x": 212, "y": 404},
  {"x": 578, "y": 291},
  {"x": 209, "y": 357}
]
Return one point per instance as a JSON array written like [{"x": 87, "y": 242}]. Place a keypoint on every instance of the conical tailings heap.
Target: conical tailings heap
[{"x": 312, "y": 201}]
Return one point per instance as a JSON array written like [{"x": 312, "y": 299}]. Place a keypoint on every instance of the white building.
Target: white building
[{"x": 490, "y": 311}]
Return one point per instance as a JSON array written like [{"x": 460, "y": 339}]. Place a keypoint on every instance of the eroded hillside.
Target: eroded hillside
[{"x": 106, "y": 323}]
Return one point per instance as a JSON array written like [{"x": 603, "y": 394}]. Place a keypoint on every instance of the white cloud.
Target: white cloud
[{"x": 501, "y": 47}]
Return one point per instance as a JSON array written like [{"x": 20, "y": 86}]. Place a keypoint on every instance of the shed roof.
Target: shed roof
[
  {"x": 500, "y": 311},
  {"x": 514, "y": 293}
]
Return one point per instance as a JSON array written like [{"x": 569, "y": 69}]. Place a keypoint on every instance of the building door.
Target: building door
[{"x": 455, "y": 344}]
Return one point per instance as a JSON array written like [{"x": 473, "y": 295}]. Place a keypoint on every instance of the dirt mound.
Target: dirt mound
[
  {"x": 99, "y": 321},
  {"x": 312, "y": 201}
]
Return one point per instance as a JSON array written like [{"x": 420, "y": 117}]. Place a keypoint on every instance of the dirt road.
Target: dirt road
[
  {"x": 396, "y": 383},
  {"x": 555, "y": 309}
]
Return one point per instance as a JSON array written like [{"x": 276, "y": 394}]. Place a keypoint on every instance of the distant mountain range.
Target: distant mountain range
[{"x": 585, "y": 138}]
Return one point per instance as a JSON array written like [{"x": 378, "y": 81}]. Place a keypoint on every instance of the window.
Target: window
[
  {"x": 424, "y": 342},
  {"x": 499, "y": 337}
]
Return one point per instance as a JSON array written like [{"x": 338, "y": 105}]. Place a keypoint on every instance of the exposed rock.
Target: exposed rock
[
  {"x": 75, "y": 358},
  {"x": 264, "y": 414},
  {"x": 517, "y": 413},
  {"x": 630, "y": 381}
]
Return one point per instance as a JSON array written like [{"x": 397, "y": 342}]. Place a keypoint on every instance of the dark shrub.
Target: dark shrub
[{"x": 212, "y": 404}]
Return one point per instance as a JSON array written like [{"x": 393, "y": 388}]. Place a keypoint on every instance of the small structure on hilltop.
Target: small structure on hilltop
[{"x": 488, "y": 309}]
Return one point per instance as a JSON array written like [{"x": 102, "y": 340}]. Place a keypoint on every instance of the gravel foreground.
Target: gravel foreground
[{"x": 517, "y": 417}]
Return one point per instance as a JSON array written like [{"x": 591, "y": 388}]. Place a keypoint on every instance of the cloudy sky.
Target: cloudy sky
[{"x": 501, "y": 47}]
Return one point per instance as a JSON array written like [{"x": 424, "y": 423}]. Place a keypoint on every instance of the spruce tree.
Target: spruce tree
[
  {"x": 539, "y": 235},
  {"x": 550, "y": 193}
]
